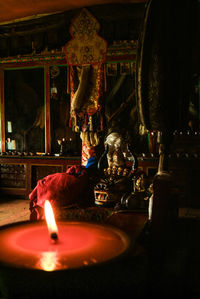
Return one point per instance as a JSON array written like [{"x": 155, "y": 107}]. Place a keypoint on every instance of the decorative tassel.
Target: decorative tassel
[
  {"x": 68, "y": 79},
  {"x": 101, "y": 122},
  {"x": 105, "y": 78},
  {"x": 70, "y": 122},
  {"x": 85, "y": 122},
  {"x": 75, "y": 123},
  {"x": 90, "y": 123}
]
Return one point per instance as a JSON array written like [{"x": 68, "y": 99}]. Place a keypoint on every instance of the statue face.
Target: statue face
[{"x": 118, "y": 150}]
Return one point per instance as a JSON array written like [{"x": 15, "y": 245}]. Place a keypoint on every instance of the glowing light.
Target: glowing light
[
  {"x": 50, "y": 220},
  {"x": 49, "y": 261}
]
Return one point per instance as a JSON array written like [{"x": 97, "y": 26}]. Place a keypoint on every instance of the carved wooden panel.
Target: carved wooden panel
[{"x": 12, "y": 175}]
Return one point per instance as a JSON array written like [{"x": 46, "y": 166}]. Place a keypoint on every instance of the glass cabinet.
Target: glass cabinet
[
  {"x": 24, "y": 110},
  {"x": 35, "y": 109}
]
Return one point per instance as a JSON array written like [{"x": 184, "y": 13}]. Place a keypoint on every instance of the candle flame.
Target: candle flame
[{"x": 50, "y": 220}]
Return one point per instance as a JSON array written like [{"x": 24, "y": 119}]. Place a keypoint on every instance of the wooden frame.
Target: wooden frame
[{"x": 24, "y": 63}]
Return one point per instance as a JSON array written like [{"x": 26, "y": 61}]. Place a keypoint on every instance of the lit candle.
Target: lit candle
[
  {"x": 50, "y": 219},
  {"x": 80, "y": 244}
]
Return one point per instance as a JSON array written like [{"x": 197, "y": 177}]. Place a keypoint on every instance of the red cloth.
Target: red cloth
[{"x": 61, "y": 189}]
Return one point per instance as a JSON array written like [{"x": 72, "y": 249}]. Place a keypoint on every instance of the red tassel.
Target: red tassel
[
  {"x": 70, "y": 122},
  {"x": 68, "y": 79},
  {"x": 101, "y": 122},
  {"x": 105, "y": 81}
]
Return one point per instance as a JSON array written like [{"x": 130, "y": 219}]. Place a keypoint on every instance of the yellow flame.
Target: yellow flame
[{"x": 50, "y": 219}]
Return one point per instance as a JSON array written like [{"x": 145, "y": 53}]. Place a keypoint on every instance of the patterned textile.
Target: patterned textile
[
  {"x": 85, "y": 99},
  {"x": 86, "y": 46},
  {"x": 85, "y": 55}
]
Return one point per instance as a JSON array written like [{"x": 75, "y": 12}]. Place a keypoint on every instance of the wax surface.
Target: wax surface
[{"x": 79, "y": 244}]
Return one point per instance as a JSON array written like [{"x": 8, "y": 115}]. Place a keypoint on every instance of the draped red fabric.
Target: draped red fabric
[{"x": 61, "y": 189}]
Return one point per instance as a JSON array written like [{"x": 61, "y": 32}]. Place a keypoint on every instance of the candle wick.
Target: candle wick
[{"x": 54, "y": 236}]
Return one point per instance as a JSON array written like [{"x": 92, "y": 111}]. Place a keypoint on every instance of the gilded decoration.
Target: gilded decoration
[
  {"x": 86, "y": 46},
  {"x": 85, "y": 55}
]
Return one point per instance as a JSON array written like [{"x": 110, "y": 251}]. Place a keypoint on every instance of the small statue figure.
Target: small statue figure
[{"x": 118, "y": 150}]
